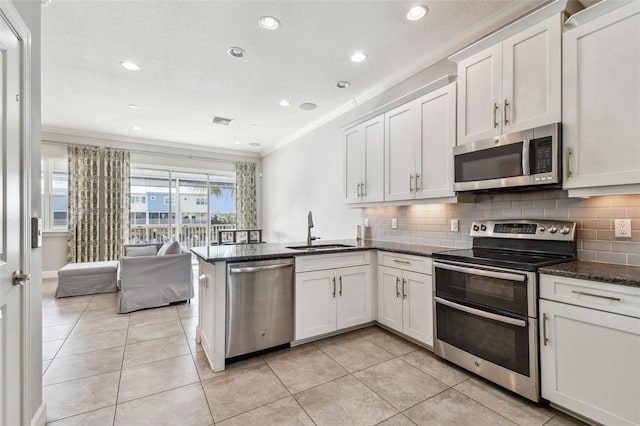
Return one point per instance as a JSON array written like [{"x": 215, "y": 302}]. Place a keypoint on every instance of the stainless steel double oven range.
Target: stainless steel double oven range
[{"x": 486, "y": 297}]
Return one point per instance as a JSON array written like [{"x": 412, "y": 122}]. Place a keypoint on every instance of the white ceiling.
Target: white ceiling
[{"x": 187, "y": 76}]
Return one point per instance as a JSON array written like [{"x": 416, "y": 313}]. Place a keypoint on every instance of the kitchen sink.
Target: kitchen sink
[{"x": 320, "y": 247}]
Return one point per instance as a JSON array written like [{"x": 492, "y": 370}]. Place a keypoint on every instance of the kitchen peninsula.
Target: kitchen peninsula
[{"x": 344, "y": 266}]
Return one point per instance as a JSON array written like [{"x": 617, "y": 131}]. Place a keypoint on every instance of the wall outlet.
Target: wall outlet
[
  {"x": 455, "y": 225},
  {"x": 394, "y": 223},
  {"x": 623, "y": 228},
  {"x": 366, "y": 222}
]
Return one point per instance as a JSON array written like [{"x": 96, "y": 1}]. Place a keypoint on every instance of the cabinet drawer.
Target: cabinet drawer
[
  {"x": 407, "y": 262},
  {"x": 318, "y": 262},
  {"x": 591, "y": 294}
]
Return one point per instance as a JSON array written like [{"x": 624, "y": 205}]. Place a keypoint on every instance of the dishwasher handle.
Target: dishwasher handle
[{"x": 260, "y": 268}]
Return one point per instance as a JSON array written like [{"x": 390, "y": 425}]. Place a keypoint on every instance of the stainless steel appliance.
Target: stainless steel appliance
[
  {"x": 259, "y": 305},
  {"x": 527, "y": 158},
  {"x": 486, "y": 297}
]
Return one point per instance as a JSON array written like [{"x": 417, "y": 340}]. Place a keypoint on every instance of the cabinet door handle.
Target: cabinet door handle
[
  {"x": 362, "y": 189},
  {"x": 545, "y": 340},
  {"x": 411, "y": 182},
  {"x": 340, "y": 278},
  {"x": 334, "y": 287},
  {"x": 568, "y": 165},
  {"x": 584, "y": 293},
  {"x": 397, "y": 287},
  {"x": 417, "y": 176},
  {"x": 404, "y": 294},
  {"x": 506, "y": 120},
  {"x": 496, "y": 107}
]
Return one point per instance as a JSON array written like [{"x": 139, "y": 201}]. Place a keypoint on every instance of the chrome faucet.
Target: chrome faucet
[{"x": 310, "y": 238}]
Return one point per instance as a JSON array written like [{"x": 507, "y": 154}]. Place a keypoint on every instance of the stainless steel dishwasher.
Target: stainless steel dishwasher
[{"x": 259, "y": 305}]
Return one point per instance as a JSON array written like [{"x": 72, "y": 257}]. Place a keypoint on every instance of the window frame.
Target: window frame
[{"x": 48, "y": 194}]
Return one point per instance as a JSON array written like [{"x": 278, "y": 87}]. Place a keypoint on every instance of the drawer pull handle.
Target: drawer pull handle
[
  {"x": 583, "y": 293},
  {"x": 406, "y": 262}
]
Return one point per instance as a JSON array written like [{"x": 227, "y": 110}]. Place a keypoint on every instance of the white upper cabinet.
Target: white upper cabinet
[
  {"x": 513, "y": 85},
  {"x": 434, "y": 162},
  {"x": 419, "y": 139},
  {"x": 364, "y": 162},
  {"x": 400, "y": 141},
  {"x": 601, "y": 102}
]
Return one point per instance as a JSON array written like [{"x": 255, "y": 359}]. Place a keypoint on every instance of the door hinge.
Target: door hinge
[{"x": 17, "y": 98}]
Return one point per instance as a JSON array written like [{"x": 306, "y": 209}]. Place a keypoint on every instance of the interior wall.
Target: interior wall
[{"x": 308, "y": 174}]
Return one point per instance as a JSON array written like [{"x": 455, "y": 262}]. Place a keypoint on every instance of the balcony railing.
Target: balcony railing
[{"x": 191, "y": 235}]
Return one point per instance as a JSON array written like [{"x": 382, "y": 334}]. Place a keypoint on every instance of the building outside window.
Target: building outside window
[{"x": 55, "y": 193}]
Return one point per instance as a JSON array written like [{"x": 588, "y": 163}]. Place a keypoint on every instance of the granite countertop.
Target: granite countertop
[
  {"x": 596, "y": 271},
  {"x": 243, "y": 252}
]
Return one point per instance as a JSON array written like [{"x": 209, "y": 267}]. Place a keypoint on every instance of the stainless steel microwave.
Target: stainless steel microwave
[{"x": 523, "y": 159}]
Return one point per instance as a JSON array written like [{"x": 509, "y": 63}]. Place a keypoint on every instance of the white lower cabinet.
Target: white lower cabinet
[
  {"x": 589, "y": 350},
  {"x": 405, "y": 301},
  {"x": 333, "y": 299},
  {"x": 211, "y": 312}
]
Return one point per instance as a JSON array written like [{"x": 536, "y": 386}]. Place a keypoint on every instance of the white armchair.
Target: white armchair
[{"x": 150, "y": 281}]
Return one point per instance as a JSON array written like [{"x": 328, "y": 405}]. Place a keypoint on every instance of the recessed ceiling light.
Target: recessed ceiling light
[
  {"x": 45, "y": 3},
  {"x": 236, "y": 52},
  {"x": 129, "y": 66},
  {"x": 416, "y": 13},
  {"x": 134, "y": 106},
  {"x": 342, "y": 84},
  {"x": 269, "y": 23},
  {"x": 237, "y": 142},
  {"x": 254, "y": 125},
  {"x": 358, "y": 56},
  {"x": 285, "y": 102},
  {"x": 308, "y": 106},
  {"x": 137, "y": 128},
  {"x": 254, "y": 144}
]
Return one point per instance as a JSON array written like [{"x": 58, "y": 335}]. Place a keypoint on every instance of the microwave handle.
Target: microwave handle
[{"x": 526, "y": 169}]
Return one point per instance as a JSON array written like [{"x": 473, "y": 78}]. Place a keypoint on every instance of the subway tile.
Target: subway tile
[
  {"x": 625, "y": 247},
  {"x": 605, "y": 235},
  {"x": 522, "y": 204},
  {"x": 625, "y": 201},
  {"x": 512, "y": 213},
  {"x": 586, "y": 255},
  {"x": 597, "y": 224},
  {"x": 596, "y": 245},
  {"x": 587, "y": 234},
  {"x": 498, "y": 205},
  {"x": 633, "y": 212},
  {"x": 607, "y": 257},
  {"x": 544, "y": 204},
  {"x": 633, "y": 259},
  {"x": 582, "y": 212}
]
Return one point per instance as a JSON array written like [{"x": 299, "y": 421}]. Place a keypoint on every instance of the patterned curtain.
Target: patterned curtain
[
  {"x": 116, "y": 202},
  {"x": 246, "y": 209},
  {"x": 84, "y": 177}
]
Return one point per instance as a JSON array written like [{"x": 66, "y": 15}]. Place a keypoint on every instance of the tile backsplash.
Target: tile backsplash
[{"x": 430, "y": 224}]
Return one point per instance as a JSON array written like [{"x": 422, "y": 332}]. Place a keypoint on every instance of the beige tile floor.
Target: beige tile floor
[{"x": 145, "y": 368}]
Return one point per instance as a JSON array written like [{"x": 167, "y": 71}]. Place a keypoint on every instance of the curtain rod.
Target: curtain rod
[{"x": 165, "y": 154}]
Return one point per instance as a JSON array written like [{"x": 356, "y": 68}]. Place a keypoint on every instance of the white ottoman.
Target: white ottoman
[{"x": 76, "y": 279}]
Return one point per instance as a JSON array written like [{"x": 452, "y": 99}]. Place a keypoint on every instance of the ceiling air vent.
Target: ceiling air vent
[{"x": 222, "y": 121}]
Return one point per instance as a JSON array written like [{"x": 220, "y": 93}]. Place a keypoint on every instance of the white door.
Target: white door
[
  {"x": 390, "y": 297},
  {"x": 354, "y": 297},
  {"x": 531, "y": 77},
  {"x": 480, "y": 86},
  {"x": 354, "y": 163},
  {"x": 315, "y": 306},
  {"x": 400, "y": 141},
  {"x": 373, "y": 183},
  {"x": 434, "y": 160},
  {"x": 11, "y": 238},
  {"x": 417, "y": 309}
]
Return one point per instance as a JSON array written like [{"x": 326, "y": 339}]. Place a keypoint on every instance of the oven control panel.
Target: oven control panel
[{"x": 532, "y": 229}]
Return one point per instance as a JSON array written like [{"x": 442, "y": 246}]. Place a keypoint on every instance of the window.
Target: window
[
  {"x": 55, "y": 196},
  {"x": 166, "y": 200},
  {"x": 139, "y": 199},
  {"x": 201, "y": 201}
]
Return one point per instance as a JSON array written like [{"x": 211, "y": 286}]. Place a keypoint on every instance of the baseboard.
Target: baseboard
[
  {"x": 40, "y": 418},
  {"x": 49, "y": 274}
]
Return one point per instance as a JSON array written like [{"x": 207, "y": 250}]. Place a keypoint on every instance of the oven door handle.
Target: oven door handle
[
  {"x": 483, "y": 272},
  {"x": 481, "y": 313}
]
